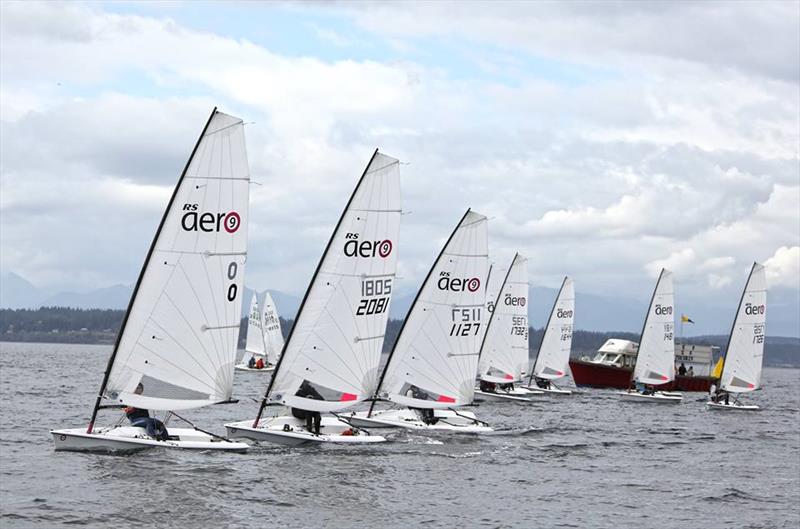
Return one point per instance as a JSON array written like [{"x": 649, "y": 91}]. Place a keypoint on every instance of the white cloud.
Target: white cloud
[{"x": 783, "y": 268}]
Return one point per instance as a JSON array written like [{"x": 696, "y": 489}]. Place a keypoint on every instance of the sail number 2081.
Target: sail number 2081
[{"x": 375, "y": 295}]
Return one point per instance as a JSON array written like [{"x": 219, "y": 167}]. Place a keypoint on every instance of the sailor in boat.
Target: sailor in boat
[
  {"x": 682, "y": 369},
  {"x": 487, "y": 387},
  {"x": 313, "y": 418},
  {"x": 426, "y": 415},
  {"x": 543, "y": 383},
  {"x": 260, "y": 363},
  {"x": 691, "y": 371},
  {"x": 140, "y": 417},
  {"x": 252, "y": 362},
  {"x": 508, "y": 388}
]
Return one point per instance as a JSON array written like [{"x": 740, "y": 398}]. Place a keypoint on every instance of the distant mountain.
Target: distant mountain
[
  {"x": 113, "y": 297},
  {"x": 16, "y": 292}
]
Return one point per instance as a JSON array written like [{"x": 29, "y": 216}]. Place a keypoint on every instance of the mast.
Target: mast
[
  {"x": 733, "y": 326},
  {"x": 497, "y": 300},
  {"x": 308, "y": 291},
  {"x": 410, "y": 310},
  {"x": 141, "y": 274},
  {"x": 644, "y": 326},
  {"x": 546, "y": 327}
]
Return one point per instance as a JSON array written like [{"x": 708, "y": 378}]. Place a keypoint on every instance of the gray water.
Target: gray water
[{"x": 581, "y": 461}]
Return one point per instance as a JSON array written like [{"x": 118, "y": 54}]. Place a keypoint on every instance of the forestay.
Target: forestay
[
  {"x": 504, "y": 353},
  {"x": 255, "y": 344},
  {"x": 335, "y": 344},
  {"x": 179, "y": 337},
  {"x": 435, "y": 358},
  {"x": 743, "y": 361},
  {"x": 655, "y": 362},
  {"x": 273, "y": 337},
  {"x": 552, "y": 361}
]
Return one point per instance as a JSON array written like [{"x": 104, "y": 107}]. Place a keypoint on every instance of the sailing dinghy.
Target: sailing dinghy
[
  {"x": 552, "y": 359},
  {"x": 655, "y": 363},
  {"x": 177, "y": 344},
  {"x": 504, "y": 351},
  {"x": 431, "y": 368},
  {"x": 331, "y": 356},
  {"x": 264, "y": 338},
  {"x": 741, "y": 372}
]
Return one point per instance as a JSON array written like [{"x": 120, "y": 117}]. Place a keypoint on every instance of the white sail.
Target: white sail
[
  {"x": 743, "y": 360},
  {"x": 335, "y": 344},
  {"x": 504, "y": 354},
  {"x": 552, "y": 362},
  {"x": 435, "y": 358},
  {"x": 180, "y": 333},
  {"x": 272, "y": 329},
  {"x": 655, "y": 362},
  {"x": 254, "y": 344}
]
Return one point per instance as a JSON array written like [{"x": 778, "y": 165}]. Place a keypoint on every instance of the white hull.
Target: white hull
[
  {"x": 732, "y": 406},
  {"x": 243, "y": 367},
  {"x": 131, "y": 438},
  {"x": 549, "y": 391},
  {"x": 658, "y": 397},
  {"x": 516, "y": 394},
  {"x": 290, "y": 431},
  {"x": 448, "y": 420}
]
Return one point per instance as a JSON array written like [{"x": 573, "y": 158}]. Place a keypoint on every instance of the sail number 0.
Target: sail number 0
[{"x": 233, "y": 269}]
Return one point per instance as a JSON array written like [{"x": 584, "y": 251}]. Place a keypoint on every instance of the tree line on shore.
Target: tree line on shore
[{"x": 100, "y": 326}]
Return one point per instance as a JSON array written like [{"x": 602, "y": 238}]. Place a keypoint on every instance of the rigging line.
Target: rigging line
[
  {"x": 325, "y": 368},
  {"x": 226, "y": 127},
  {"x": 204, "y": 253},
  {"x": 468, "y": 255},
  {"x": 176, "y": 342},
  {"x": 232, "y": 178},
  {"x": 445, "y": 378},
  {"x": 343, "y": 362},
  {"x": 366, "y": 210},
  {"x": 455, "y": 305},
  {"x": 190, "y": 423},
  {"x": 425, "y": 374},
  {"x": 377, "y": 169},
  {"x": 211, "y": 294},
  {"x": 361, "y": 349},
  {"x": 362, "y": 276}
]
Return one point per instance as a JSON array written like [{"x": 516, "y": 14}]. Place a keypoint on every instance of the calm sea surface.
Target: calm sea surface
[{"x": 582, "y": 461}]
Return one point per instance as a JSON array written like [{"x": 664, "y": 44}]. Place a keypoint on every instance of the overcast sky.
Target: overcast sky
[{"x": 603, "y": 140}]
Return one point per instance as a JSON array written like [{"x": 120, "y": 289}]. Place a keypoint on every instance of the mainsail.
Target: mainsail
[
  {"x": 435, "y": 357},
  {"x": 254, "y": 344},
  {"x": 552, "y": 361},
  {"x": 178, "y": 339},
  {"x": 273, "y": 337},
  {"x": 504, "y": 353},
  {"x": 334, "y": 348},
  {"x": 743, "y": 360},
  {"x": 655, "y": 362}
]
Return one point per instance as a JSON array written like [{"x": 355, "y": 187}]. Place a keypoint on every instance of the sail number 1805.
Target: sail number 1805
[{"x": 375, "y": 294}]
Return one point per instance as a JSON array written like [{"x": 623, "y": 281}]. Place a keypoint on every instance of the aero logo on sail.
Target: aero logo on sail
[
  {"x": 561, "y": 313},
  {"x": 366, "y": 249},
  {"x": 752, "y": 310},
  {"x": 208, "y": 222},
  {"x": 663, "y": 310},
  {"x": 514, "y": 301},
  {"x": 457, "y": 284}
]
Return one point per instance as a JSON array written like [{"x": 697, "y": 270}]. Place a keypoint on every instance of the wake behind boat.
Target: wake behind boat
[
  {"x": 655, "y": 363},
  {"x": 177, "y": 344},
  {"x": 330, "y": 360},
  {"x": 741, "y": 372},
  {"x": 434, "y": 359}
]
